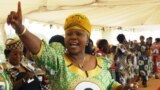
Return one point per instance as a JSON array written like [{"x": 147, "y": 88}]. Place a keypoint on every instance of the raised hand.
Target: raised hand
[
  {"x": 15, "y": 19},
  {"x": 30, "y": 41}
]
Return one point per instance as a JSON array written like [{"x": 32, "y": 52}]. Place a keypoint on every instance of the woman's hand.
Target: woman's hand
[
  {"x": 30, "y": 41},
  {"x": 29, "y": 75},
  {"x": 15, "y": 19}
]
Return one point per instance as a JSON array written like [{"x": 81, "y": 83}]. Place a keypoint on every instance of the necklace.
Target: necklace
[{"x": 80, "y": 65}]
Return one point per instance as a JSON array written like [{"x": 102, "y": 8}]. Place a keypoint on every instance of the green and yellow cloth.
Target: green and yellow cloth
[
  {"x": 5, "y": 82},
  {"x": 65, "y": 76}
]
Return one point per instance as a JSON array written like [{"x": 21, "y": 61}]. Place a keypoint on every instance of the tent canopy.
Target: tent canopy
[{"x": 100, "y": 12}]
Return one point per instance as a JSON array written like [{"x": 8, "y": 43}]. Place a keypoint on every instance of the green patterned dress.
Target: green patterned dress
[
  {"x": 66, "y": 76},
  {"x": 5, "y": 83}
]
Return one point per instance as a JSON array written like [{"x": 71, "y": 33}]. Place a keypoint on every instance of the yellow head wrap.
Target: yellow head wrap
[{"x": 78, "y": 21}]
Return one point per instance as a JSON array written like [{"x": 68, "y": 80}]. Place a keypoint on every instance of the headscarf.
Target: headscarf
[
  {"x": 78, "y": 21},
  {"x": 12, "y": 44}
]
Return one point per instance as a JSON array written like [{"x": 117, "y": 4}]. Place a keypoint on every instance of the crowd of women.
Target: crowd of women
[
  {"x": 73, "y": 63},
  {"x": 132, "y": 60}
]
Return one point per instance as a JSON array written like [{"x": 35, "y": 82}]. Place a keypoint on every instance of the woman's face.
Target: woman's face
[
  {"x": 15, "y": 56},
  {"x": 76, "y": 41}
]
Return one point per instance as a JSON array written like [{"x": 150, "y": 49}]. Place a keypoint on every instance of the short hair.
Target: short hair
[
  {"x": 88, "y": 48},
  {"x": 121, "y": 38},
  {"x": 142, "y": 36},
  {"x": 102, "y": 43},
  {"x": 149, "y": 37},
  {"x": 57, "y": 38}
]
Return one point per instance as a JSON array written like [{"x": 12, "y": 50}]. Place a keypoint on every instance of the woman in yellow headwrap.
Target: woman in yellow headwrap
[{"x": 73, "y": 69}]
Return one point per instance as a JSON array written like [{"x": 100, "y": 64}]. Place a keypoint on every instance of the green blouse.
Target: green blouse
[{"x": 66, "y": 76}]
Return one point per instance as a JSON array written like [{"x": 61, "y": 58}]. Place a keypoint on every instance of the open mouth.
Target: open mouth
[{"x": 74, "y": 45}]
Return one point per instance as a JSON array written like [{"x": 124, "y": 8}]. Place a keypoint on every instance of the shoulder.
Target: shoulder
[
  {"x": 57, "y": 46},
  {"x": 104, "y": 61}
]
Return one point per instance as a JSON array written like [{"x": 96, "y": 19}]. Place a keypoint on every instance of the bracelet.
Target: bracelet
[{"x": 24, "y": 31}]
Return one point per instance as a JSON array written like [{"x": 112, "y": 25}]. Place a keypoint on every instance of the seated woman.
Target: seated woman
[{"x": 21, "y": 75}]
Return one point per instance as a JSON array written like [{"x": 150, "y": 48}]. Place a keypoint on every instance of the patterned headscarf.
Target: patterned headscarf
[
  {"x": 78, "y": 21},
  {"x": 12, "y": 44}
]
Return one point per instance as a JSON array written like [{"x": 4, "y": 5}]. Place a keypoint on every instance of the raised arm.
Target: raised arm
[{"x": 30, "y": 41}]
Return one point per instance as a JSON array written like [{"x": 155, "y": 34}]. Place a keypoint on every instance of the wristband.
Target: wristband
[{"x": 24, "y": 31}]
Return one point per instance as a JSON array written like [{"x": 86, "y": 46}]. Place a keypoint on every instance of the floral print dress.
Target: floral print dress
[{"x": 66, "y": 76}]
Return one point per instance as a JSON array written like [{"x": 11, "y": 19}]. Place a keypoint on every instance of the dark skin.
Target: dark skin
[
  {"x": 75, "y": 42},
  {"x": 30, "y": 41},
  {"x": 33, "y": 43},
  {"x": 15, "y": 58}
]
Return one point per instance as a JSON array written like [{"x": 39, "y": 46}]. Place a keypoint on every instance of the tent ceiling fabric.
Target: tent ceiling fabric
[{"x": 100, "y": 12}]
